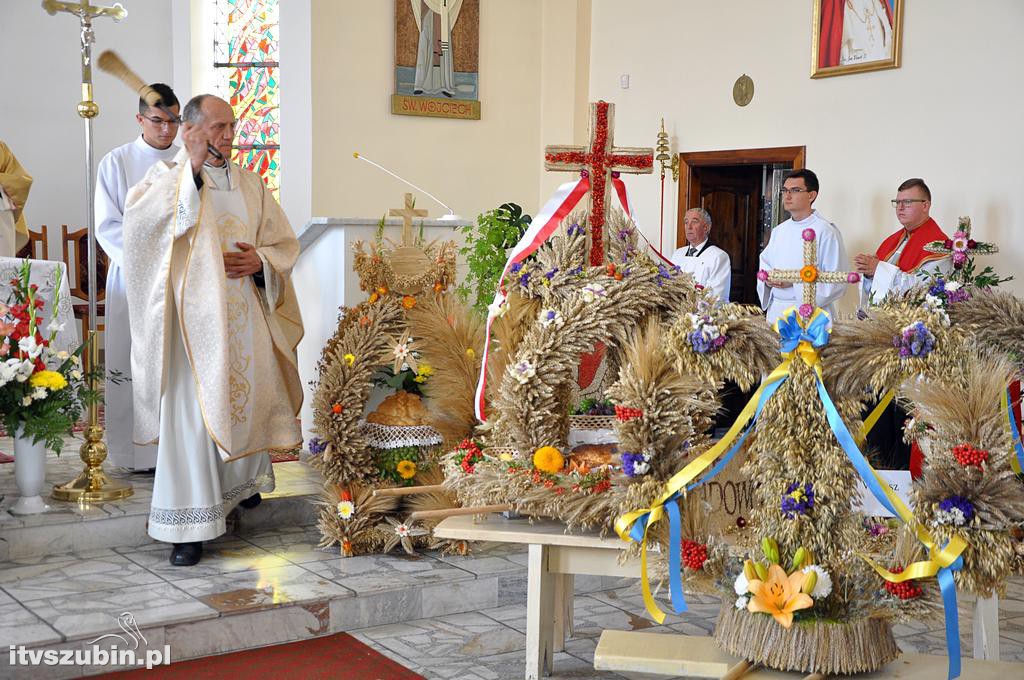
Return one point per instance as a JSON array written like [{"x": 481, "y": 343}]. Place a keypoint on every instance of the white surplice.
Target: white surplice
[
  {"x": 785, "y": 250},
  {"x": 889, "y": 278},
  {"x": 710, "y": 266},
  {"x": 119, "y": 170}
]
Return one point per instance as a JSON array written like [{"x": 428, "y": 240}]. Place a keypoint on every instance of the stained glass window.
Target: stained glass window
[{"x": 246, "y": 60}]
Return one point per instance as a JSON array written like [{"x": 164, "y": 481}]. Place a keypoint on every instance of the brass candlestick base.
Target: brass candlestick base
[{"x": 93, "y": 485}]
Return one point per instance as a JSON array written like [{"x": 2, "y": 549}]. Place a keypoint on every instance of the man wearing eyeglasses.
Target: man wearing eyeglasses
[
  {"x": 215, "y": 323},
  {"x": 119, "y": 170},
  {"x": 901, "y": 261},
  {"x": 785, "y": 249}
]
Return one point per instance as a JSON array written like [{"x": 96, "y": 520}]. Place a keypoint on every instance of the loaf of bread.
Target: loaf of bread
[
  {"x": 400, "y": 409},
  {"x": 592, "y": 456}
]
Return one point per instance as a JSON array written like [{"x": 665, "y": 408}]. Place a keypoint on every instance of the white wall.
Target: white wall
[
  {"x": 42, "y": 86},
  {"x": 950, "y": 114}
]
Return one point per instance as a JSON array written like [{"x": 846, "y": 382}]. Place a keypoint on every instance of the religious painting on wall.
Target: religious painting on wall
[
  {"x": 437, "y": 57},
  {"x": 853, "y": 36}
]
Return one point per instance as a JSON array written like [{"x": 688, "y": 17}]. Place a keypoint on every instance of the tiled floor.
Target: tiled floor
[{"x": 268, "y": 583}]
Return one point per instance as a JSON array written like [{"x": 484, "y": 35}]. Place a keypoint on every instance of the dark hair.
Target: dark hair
[
  {"x": 916, "y": 182},
  {"x": 193, "y": 112},
  {"x": 165, "y": 92},
  {"x": 808, "y": 176}
]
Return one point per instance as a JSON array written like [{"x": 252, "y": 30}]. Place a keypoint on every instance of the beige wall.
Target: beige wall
[
  {"x": 471, "y": 165},
  {"x": 950, "y": 114}
]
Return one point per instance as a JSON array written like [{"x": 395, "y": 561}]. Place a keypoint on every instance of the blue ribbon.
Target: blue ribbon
[
  {"x": 1014, "y": 432},
  {"x": 945, "y": 575},
  {"x": 675, "y": 566},
  {"x": 792, "y": 333}
]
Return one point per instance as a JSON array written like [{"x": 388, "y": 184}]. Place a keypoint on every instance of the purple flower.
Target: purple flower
[
  {"x": 938, "y": 288},
  {"x": 623, "y": 234},
  {"x": 955, "y": 510},
  {"x": 316, "y": 446},
  {"x": 915, "y": 341},
  {"x": 576, "y": 271},
  {"x": 958, "y": 295},
  {"x": 575, "y": 229},
  {"x": 524, "y": 279},
  {"x": 551, "y": 274},
  {"x": 514, "y": 269},
  {"x": 798, "y": 500},
  {"x": 808, "y": 234},
  {"x": 806, "y": 310},
  {"x": 635, "y": 464}
]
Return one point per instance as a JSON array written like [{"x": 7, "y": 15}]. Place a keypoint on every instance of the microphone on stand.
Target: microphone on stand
[{"x": 450, "y": 217}]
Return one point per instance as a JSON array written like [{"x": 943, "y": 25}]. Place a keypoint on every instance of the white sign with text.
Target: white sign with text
[{"x": 898, "y": 481}]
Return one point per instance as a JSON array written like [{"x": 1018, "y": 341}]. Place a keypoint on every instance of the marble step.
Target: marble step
[
  {"x": 267, "y": 588},
  {"x": 77, "y": 527}
]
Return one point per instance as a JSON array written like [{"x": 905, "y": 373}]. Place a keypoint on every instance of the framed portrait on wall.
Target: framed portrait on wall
[
  {"x": 854, "y": 36},
  {"x": 437, "y": 57}
]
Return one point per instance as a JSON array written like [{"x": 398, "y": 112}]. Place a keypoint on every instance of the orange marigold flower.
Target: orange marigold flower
[
  {"x": 408, "y": 302},
  {"x": 809, "y": 274},
  {"x": 337, "y": 408},
  {"x": 548, "y": 459}
]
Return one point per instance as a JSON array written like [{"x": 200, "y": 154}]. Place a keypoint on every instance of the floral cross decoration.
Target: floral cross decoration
[
  {"x": 962, "y": 245},
  {"x": 809, "y": 274}
]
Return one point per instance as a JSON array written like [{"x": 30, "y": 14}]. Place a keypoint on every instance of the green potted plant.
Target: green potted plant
[{"x": 485, "y": 252}]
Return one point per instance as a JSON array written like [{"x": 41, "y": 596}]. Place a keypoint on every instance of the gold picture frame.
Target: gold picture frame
[{"x": 855, "y": 36}]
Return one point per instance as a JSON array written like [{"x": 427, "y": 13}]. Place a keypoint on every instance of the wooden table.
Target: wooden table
[{"x": 554, "y": 558}]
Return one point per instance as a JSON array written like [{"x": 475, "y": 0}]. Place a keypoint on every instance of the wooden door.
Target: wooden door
[{"x": 732, "y": 195}]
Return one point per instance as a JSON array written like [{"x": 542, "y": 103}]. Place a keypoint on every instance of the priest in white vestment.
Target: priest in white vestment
[
  {"x": 709, "y": 264},
  {"x": 215, "y": 323},
  {"x": 901, "y": 261},
  {"x": 119, "y": 171},
  {"x": 785, "y": 249}
]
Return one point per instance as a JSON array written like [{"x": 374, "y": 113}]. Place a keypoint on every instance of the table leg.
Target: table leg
[
  {"x": 564, "y": 586},
  {"x": 986, "y": 628},
  {"x": 540, "y": 614}
]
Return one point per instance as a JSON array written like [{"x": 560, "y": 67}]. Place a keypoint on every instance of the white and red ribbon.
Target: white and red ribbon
[{"x": 543, "y": 225}]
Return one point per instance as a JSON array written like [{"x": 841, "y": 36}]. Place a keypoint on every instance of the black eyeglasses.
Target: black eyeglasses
[
  {"x": 906, "y": 202},
  {"x": 161, "y": 122},
  {"x": 794, "y": 190}
]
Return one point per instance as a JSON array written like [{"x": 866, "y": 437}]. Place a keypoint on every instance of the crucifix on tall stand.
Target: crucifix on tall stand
[
  {"x": 92, "y": 485},
  {"x": 601, "y": 162},
  {"x": 809, "y": 274}
]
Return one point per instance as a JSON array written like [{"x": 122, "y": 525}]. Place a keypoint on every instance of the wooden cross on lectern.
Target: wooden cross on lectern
[
  {"x": 601, "y": 161},
  {"x": 407, "y": 213},
  {"x": 809, "y": 274}
]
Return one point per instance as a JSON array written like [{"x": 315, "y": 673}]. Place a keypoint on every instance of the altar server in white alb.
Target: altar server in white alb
[
  {"x": 785, "y": 249},
  {"x": 709, "y": 264},
  {"x": 215, "y": 323},
  {"x": 118, "y": 172}
]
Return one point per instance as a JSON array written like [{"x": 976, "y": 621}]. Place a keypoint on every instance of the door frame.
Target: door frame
[{"x": 794, "y": 155}]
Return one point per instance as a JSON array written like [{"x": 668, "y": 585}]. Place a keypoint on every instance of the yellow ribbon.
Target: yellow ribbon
[{"x": 872, "y": 419}]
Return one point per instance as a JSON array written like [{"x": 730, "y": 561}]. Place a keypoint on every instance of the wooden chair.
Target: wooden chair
[
  {"x": 77, "y": 263},
  {"x": 38, "y": 246}
]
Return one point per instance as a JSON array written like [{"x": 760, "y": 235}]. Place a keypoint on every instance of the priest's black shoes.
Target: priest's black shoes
[
  {"x": 186, "y": 554},
  {"x": 251, "y": 502}
]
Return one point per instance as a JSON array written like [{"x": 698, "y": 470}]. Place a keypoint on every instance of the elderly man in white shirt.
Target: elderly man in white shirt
[{"x": 709, "y": 264}]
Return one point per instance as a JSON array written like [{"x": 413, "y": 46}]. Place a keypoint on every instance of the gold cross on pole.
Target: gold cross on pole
[
  {"x": 92, "y": 485},
  {"x": 809, "y": 274},
  {"x": 407, "y": 213}
]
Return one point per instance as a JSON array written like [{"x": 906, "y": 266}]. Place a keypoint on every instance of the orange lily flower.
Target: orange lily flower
[{"x": 780, "y": 595}]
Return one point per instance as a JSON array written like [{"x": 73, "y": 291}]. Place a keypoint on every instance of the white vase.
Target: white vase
[{"x": 29, "y": 475}]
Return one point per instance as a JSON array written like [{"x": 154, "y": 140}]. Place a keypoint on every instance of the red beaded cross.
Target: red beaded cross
[{"x": 600, "y": 160}]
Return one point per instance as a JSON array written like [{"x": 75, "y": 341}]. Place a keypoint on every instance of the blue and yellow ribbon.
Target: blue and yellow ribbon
[
  {"x": 800, "y": 339},
  {"x": 1016, "y": 460}
]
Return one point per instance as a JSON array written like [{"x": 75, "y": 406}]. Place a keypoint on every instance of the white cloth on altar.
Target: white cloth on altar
[
  {"x": 118, "y": 172},
  {"x": 889, "y": 278},
  {"x": 710, "y": 266},
  {"x": 195, "y": 487},
  {"x": 7, "y": 230},
  {"x": 44, "y": 274},
  {"x": 785, "y": 250}
]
